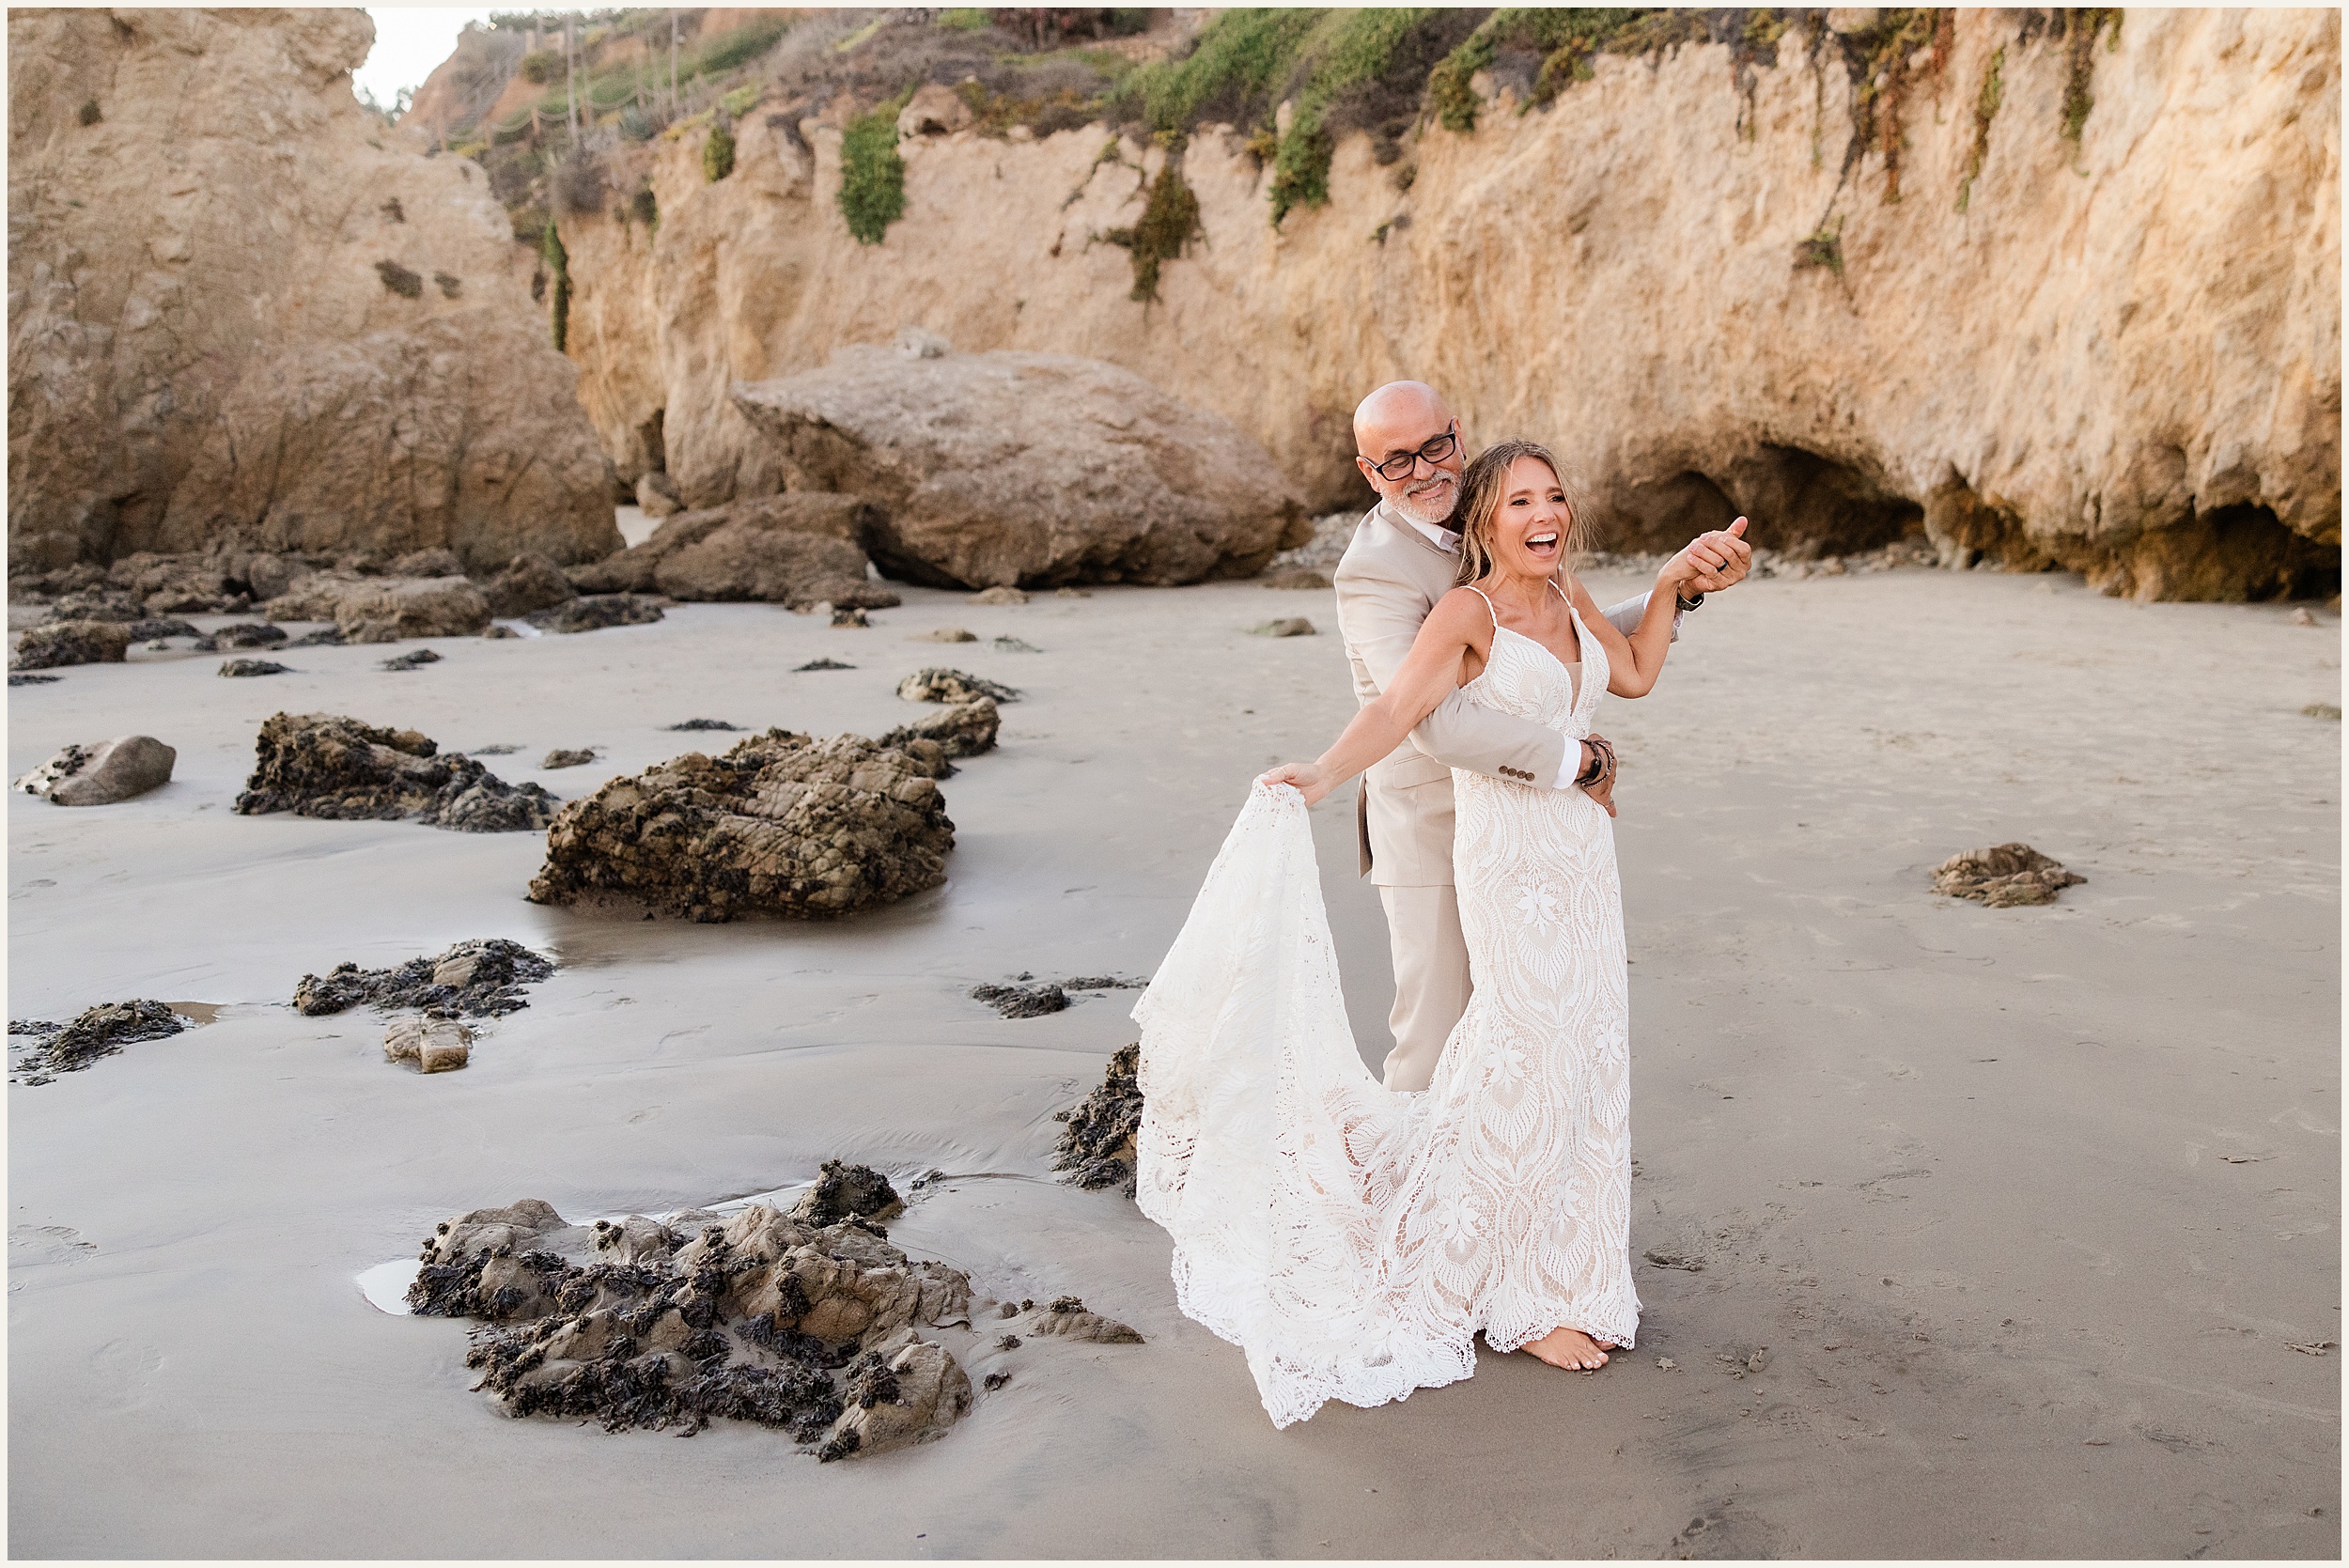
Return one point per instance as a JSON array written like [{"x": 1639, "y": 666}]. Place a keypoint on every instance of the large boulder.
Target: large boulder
[
  {"x": 393, "y": 608},
  {"x": 781, "y": 823},
  {"x": 45, "y": 647},
  {"x": 294, "y": 331},
  {"x": 1027, "y": 469},
  {"x": 324, "y": 765},
  {"x": 799, "y": 550},
  {"x": 529, "y": 581},
  {"x": 116, "y": 770}
]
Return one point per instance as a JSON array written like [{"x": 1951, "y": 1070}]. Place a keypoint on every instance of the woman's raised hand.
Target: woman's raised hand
[{"x": 1303, "y": 776}]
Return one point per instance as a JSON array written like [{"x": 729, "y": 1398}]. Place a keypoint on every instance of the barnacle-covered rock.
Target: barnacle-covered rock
[
  {"x": 324, "y": 765},
  {"x": 781, "y": 823}
]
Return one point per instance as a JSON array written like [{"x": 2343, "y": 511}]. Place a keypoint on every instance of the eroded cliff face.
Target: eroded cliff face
[
  {"x": 2119, "y": 354},
  {"x": 241, "y": 312}
]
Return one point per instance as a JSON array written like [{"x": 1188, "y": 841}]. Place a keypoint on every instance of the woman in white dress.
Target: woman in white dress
[{"x": 1351, "y": 1239}]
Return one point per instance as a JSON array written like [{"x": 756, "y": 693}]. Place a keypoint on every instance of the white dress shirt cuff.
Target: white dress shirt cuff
[{"x": 1569, "y": 765}]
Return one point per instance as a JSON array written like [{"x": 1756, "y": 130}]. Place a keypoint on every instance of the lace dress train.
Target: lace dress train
[{"x": 1351, "y": 1240}]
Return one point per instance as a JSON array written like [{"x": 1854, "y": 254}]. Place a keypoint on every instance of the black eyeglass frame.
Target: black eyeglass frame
[{"x": 1434, "y": 452}]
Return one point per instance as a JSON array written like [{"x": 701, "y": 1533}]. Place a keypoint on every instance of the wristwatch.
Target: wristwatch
[{"x": 1685, "y": 602}]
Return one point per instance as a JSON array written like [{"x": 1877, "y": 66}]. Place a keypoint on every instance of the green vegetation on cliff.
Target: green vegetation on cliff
[
  {"x": 1169, "y": 222},
  {"x": 872, "y": 176}
]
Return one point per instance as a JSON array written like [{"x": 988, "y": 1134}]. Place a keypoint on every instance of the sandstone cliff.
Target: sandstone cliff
[
  {"x": 2069, "y": 304},
  {"x": 241, "y": 312}
]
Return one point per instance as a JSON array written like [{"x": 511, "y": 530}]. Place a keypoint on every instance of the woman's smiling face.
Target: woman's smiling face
[{"x": 1531, "y": 526}]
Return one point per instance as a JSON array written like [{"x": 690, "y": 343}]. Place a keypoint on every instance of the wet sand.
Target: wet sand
[{"x": 2022, "y": 1208}]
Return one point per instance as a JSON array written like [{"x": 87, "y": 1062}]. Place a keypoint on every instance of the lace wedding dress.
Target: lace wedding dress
[{"x": 1353, "y": 1240}]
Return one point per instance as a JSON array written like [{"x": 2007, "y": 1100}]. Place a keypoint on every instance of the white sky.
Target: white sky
[{"x": 409, "y": 41}]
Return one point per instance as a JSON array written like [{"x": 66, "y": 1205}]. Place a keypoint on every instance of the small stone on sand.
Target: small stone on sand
[
  {"x": 415, "y": 660},
  {"x": 944, "y": 634},
  {"x": 1004, "y": 594},
  {"x": 691, "y": 724},
  {"x": 1022, "y": 1001},
  {"x": 1291, "y": 626},
  {"x": 1014, "y": 644},
  {"x": 561, "y": 758},
  {"x": 434, "y": 1045},
  {"x": 849, "y": 615},
  {"x": 819, "y": 664},
  {"x": 952, "y": 686},
  {"x": 241, "y": 667}
]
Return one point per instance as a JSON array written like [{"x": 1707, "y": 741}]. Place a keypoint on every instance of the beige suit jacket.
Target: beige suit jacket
[{"x": 1390, "y": 577}]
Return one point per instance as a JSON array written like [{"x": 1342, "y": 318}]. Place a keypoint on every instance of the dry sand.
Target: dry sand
[{"x": 2024, "y": 1208}]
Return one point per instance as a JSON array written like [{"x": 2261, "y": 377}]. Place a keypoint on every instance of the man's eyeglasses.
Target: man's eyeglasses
[{"x": 1401, "y": 465}]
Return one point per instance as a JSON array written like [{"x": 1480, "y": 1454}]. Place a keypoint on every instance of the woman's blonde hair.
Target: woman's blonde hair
[{"x": 1482, "y": 484}]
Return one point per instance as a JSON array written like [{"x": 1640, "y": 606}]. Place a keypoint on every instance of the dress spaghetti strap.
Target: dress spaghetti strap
[{"x": 1488, "y": 604}]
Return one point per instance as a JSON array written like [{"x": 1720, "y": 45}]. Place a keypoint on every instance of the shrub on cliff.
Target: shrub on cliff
[
  {"x": 872, "y": 176},
  {"x": 718, "y": 154}
]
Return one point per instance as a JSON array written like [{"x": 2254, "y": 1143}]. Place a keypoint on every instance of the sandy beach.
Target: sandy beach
[{"x": 1995, "y": 1229}]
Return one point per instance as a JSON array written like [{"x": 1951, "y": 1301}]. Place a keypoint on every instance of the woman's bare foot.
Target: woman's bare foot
[{"x": 1570, "y": 1348}]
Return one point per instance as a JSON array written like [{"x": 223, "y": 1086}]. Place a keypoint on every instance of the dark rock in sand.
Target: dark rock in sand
[
  {"x": 750, "y": 1320},
  {"x": 156, "y": 630},
  {"x": 561, "y": 758},
  {"x": 781, "y": 823},
  {"x": 20, "y": 678},
  {"x": 529, "y": 582},
  {"x": 1097, "y": 1147},
  {"x": 964, "y": 730},
  {"x": 952, "y": 686},
  {"x": 102, "y": 1032},
  {"x": 99, "y": 775},
  {"x": 593, "y": 612},
  {"x": 478, "y": 979},
  {"x": 1104, "y": 983},
  {"x": 327, "y": 637},
  {"x": 235, "y": 668},
  {"x": 415, "y": 660},
  {"x": 237, "y": 634},
  {"x": 819, "y": 664},
  {"x": 691, "y": 724},
  {"x": 2003, "y": 876},
  {"x": 849, "y": 615},
  {"x": 61, "y": 643},
  {"x": 844, "y": 1191},
  {"x": 1022, "y": 1001},
  {"x": 324, "y": 765}
]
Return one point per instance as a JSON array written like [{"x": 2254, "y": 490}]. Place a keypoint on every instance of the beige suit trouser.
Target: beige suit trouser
[{"x": 1431, "y": 980}]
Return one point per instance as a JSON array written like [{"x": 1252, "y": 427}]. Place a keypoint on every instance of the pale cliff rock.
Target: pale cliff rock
[
  {"x": 242, "y": 311},
  {"x": 2120, "y": 355}
]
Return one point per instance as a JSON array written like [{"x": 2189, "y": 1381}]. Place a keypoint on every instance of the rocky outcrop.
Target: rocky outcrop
[
  {"x": 939, "y": 685},
  {"x": 633, "y": 1324},
  {"x": 395, "y": 608},
  {"x": 964, "y": 730},
  {"x": 59, "y": 642},
  {"x": 1028, "y": 468},
  {"x": 119, "y": 769},
  {"x": 2003, "y": 876},
  {"x": 781, "y": 823},
  {"x": 2099, "y": 327},
  {"x": 1097, "y": 1146},
  {"x": 798, "y": 551},
  {"x": 102, "y": 1032},
  {"x": 478, "y": 979},
  {"x": 292, "y": 332},
  {"x": 529, "y": 582},
  {"x": 324, "y": 765}
]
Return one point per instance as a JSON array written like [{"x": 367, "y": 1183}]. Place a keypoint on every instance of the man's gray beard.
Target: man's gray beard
[{"x": 1421, "y": 512}]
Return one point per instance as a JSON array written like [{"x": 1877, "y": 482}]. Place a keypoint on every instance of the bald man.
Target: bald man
[{"x": 1403, "y": 558}]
